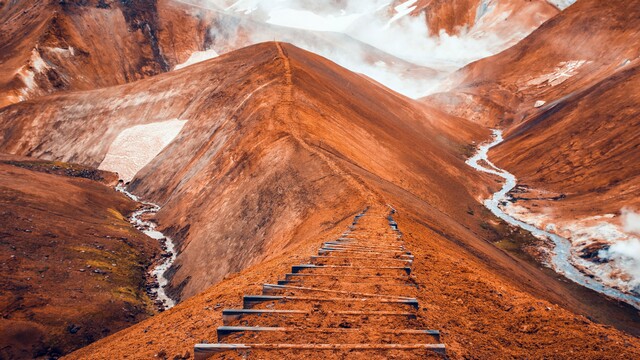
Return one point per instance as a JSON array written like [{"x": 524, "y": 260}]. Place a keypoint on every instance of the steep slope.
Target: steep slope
[
  {"x": 388, "y": 41},
  {"x": 503, "y": 19},
  {"x": 231, "y": 29},
  {"x": 51, "y": 46},
  {"x": 48, "y": 46},
  {"x": 72, "y": 268},
  {"x": 252, "y": 159},
  {"x": 552, "y": 62},
  {"x": 279, "y": 150},
  {"x": 569, "y": 104},
  {"x": 585, "y": 148},
  {"x": 481, "y": 313}
]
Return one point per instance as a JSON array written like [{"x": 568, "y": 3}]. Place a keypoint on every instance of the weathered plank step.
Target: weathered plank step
[
  {"x": 389, "y": 250},
  {"x": 250, "y": 301},
  {"x": 361, "y": 258},
  {"x": 339, "y": 282},
  {"x": 402, "y": 289},
  {"x": 297, "y": 335},
  {"x": 346, "y": 277},
  {"x": 224, "y": 330},
  {"x": 295, "y": 318},
  {"x": 377, "y": 269},
  {"x": 352, "y": 244},
  {"x": 361, "y": 250},
  {"x": 209, "y": 349},
  {"x": 359, "y": 261},
  {"x": 365, "y": 242},
  {"x": 347, "y": 261},
  {"x": 368, "y": 243},
  {"x": 393, "y": 253},
  {"x": 270, "y": 289}
]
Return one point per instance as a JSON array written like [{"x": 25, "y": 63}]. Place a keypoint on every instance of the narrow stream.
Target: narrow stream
[
  {"x": 149, "y": 229},
  {"x": 561, "y": 259}
]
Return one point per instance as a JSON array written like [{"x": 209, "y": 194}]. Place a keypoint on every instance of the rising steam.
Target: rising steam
[
  {"x": 371, "y": 37},
  {"x": 626, "y": 254}
]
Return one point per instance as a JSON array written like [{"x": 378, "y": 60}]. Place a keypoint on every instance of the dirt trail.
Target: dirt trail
[
  {"x": 356, "y": 298},
  {"x": 285, "y": 111}
]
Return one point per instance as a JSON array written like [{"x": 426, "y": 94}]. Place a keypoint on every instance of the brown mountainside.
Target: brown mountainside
[
  {"x": 280, "y": 149},
  {"x": 72, "y": 268}
]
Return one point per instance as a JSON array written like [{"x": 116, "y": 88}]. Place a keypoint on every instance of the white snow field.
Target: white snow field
[{"x": 136, "y": 146}]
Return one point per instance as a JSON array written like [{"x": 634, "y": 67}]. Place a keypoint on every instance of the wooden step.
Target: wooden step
[
  {"x": 389, "y": 253},
  {"x": 225, "y": 330},
  {"x": 359, "y": 261},
  {"x": 351, "y": 244},
  {"x": 360, "y": 269},
  {"x": 345, "y": 249},
  {"x": 201, "y": 350},
  {"x": 346, "y": 277},
  {"x": 249, "y": 301},
  {"x": 261, "y": 334},
  {"x": 313, "y": 282},
  {"x": 287, "y": 318},
  {"x": 399, "y": 288},
  {"x": 271, "y": 289}
]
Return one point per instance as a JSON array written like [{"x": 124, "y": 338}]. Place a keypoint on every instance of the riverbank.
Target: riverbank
[
  {"x": 157, "y": 280},
  {"x": 560, "y": 259}
]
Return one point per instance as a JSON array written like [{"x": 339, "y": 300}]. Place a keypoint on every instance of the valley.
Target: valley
[{"x": 170, "y": 169}]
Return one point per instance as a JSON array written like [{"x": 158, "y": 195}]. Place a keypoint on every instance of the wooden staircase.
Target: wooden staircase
[{"x": 355, "y": 299}]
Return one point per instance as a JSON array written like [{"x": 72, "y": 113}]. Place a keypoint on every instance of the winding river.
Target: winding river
[
  {"x": 561, "y": 259},
  {"x": 149, "y": 229}
]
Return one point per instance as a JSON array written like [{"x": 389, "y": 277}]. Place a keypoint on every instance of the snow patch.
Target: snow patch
[
  {"x": 196, "y": 57},
  {"x": 561, "y": 4},
  {"x": 562, "y": 73},
  {"x": 37, "y": 63},
  {"x": 244, "y": 6},
  {"x": 27, "y": 73},
  {"x": 136, "y": 146},
  {"x": 62, "y": 51},
  {"x": 402, "y": 10},
  {"x": 539, "y": 103}
]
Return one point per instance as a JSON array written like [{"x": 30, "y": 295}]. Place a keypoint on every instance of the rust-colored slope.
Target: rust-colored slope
[
  {"x": 554, "y": 61},
  {"x": 581, "y": 138},
  {"x": 280, "y": 150},
  {"x": 72, "y": 268},
  {"x": 585, "y": 146},
  {"x": 50, "y": 46},
  {"x": 257, "y": 153},
  {"x": 568, "y": 103},
  {"x": 501, "y": 18},
  {"x": 481, "y": 313}
]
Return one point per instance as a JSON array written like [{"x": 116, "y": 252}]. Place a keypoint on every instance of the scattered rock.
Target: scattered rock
[
  {"x": 162, "y": 354},
  {"x": 73, "y": 328}
]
